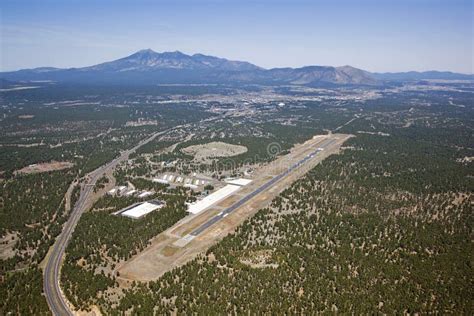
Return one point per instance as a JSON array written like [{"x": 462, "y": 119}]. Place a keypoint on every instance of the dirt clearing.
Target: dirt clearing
[
  {"x": 214, "y": 150},
  {"x": 259, "y": 259},
  {"x": 7, "y": 243},
  {"x": 26, "y": 116},
  {"x": 45, "y": 167}
]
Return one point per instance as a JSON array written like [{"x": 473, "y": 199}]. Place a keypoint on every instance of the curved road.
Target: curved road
[{"x": 51, "y": 278}]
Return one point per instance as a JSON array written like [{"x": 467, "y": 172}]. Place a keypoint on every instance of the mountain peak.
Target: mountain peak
[
  {"x": 149, "y": 51},
  {"x": 149, "y": 60},
  {"x": 146, "y": 51},
  {"x": 175, "y": 54}
]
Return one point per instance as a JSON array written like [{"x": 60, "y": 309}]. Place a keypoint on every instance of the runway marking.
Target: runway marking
[{"x": 183, "y": 241}]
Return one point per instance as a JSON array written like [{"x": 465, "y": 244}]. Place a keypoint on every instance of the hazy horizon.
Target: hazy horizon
[{"x": 377, "y": 36}]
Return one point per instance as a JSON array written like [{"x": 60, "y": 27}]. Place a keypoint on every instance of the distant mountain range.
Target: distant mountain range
[
  {"x": 149, "y": 67},
  {"x": 426, "y": 75}
]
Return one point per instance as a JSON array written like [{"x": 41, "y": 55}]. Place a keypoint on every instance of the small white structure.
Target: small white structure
[
  {"x": 163, "y": 181},
  {"x": 131, "y": 192},
  {"x": 240, "y": 181},
  {"x": 142, "y": 209},
  {"x": 112, "y": 192},
  {"x": 121, "y": 189},
  {"x": 144, "y": 194},
  {"x": 211, "y": 199},
  {"x": 191, "y": 186}
]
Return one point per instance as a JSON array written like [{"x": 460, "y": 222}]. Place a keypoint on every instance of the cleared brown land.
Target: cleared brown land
[
  {"x": 45, "y": 167},
  {"x": 213, "y": 150},
  {"x": 170, "y": 249},
  {"x": 7, "y": 243},
  {"x": 259, "y": 259},
  {"x": 26, "y": 116}
]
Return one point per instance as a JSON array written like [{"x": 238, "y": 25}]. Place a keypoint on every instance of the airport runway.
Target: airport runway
[
  {"x": 260, "y": 189},
  {"x": 51, "y": 277},
  {"x": 186, "y": 239}
]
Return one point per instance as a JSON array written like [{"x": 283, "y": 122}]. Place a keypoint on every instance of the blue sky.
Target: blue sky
[{"x": 373, "y": 35}]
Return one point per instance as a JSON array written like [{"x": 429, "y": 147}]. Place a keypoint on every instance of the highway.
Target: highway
[
  {"x": 260, "y": 189},
  {"x": 51, "y": 277}
]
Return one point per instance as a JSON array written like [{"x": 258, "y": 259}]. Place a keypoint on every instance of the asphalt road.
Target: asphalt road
[
  {"x": 51, "y": 276},
  {"x": 260, "y": 189}
]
